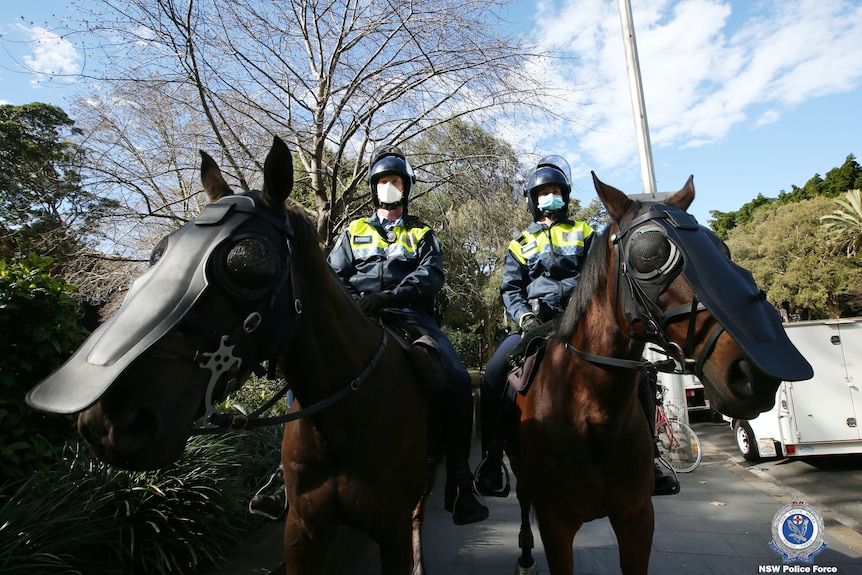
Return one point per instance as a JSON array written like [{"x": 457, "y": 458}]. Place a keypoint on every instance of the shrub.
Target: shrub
[
  {"x": 38, "y": 331},
  {"x": 83, "y": 516}
]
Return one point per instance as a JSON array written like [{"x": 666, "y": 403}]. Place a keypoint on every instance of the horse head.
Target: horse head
[
  {"x": 215, "y": 303},
  {"x": 677, "y": 287}
]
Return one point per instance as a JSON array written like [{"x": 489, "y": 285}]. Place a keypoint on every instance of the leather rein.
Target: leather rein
[{"x": 229, "y": 356}]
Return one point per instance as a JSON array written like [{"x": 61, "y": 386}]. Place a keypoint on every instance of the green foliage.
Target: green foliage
[
  {"x": 844, "y": 225},
  {"x": 82, "y": 516},
  {"x": 723, "y": 222},
  {"x": 786, "y": 250},
  {"x": 472, "y": 202},
  {"x": 468, "y": 347},
  {"x": 38, "y": 331},
  {"x": 42, "y": 205}
]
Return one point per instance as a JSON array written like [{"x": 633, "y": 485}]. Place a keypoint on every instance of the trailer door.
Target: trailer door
[{"x": 826, "y": 407}]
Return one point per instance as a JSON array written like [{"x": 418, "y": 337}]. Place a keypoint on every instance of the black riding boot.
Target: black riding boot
[
  {"x": 458, "y": 495},
  {"x": 489, "y": 474},
  {"x": 664, "y": 484}
]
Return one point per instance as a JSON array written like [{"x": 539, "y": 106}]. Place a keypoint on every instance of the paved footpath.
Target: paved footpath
[{"x": 719, "y": 524}]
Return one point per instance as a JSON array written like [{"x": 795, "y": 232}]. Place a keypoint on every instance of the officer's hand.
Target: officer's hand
[
  {"x": 530, "y": 323},
  {"x": 372, "y": 303}
]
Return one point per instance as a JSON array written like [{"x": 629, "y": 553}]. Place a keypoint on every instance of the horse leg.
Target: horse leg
[
  {"x": 525, "y": 565},
  {"x": 418, "y": 517},
  {"x": 557, "y": 534},
  {"x": 396, "y": 554},
  {"x": 304, "y": 553},
  {"x": 634, "y": 530}
]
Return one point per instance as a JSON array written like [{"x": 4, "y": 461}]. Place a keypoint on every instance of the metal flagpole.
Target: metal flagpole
[
  {"x": 673, "y": 382},
  {"x": 637, "y": 95}
]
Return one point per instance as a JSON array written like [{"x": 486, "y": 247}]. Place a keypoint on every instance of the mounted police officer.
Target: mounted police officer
[
  {"x": 393, "y": 262},
  {"x": 542, "y": 267}
]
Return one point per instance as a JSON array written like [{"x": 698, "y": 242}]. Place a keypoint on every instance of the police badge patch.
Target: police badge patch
[{"x": 797, "y": 533}]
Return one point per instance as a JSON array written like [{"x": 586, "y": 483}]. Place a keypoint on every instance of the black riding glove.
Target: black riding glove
[
  {"x": 372, "y": 303},
  {"x": 529, "y": 323}
]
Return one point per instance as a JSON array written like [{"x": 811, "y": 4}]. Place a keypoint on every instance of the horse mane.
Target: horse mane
[
  {"x": 593, "y": 279},
  {"x": 594, "y": 276},
  {"x": 306, "y": 246}
]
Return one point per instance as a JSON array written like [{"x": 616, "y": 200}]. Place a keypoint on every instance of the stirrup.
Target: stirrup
[
  {"x": 277, "y": 475},
  {"x": 502, "y": 492}
]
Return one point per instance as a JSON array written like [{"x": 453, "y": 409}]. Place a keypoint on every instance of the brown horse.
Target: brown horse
[
  {"x": 584, "y": 448},
  {"x": 243, "y": 283}
]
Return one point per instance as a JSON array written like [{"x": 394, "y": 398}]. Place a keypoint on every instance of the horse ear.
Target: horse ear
[
  {"x": 214, "y": 184},
  {"x": 617, "y": 203},
  {"x": 683, "y": 198},
  {"x": 277, "y": 175}
]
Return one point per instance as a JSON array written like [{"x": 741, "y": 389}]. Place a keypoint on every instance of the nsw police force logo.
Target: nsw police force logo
[{"x": 797, "y": 533}]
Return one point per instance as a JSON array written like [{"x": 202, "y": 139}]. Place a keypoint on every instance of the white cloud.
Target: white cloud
[
  {"x": 52, "y": 58},
  {"x": 707, "y": 66}
]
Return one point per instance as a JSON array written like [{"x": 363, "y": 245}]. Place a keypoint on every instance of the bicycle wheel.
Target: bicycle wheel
[{"x": 678, "y": 445}]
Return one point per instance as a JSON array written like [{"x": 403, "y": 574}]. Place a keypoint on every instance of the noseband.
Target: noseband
[
  {"x": 647, "y": 262},
  {"x": 264, "y": 297}
]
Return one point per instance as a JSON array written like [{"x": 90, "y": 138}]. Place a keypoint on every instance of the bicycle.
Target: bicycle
[{"x": 678, "y": 444}]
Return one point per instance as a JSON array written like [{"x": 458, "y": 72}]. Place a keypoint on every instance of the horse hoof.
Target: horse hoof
[{"x": 531, "y": 570}]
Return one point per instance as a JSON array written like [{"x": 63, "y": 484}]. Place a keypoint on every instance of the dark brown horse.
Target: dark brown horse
[
  {"x": 585, "y": 446},
  {"x": 243, "y": 283}
]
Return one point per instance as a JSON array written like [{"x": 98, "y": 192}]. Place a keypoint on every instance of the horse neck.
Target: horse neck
[
  {"x": 596, "y": 325},
  {"x": 332, "y": 340}
]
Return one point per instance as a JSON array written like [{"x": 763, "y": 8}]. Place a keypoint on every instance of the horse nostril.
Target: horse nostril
[
  {"x": 133, "y": 430},
  {"x": 740, "y": 375}
]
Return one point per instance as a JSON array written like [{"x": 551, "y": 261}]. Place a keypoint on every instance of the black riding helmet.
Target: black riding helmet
[
  {"x": 390, "y": 160},
  {"x": 549, "y": 170}
]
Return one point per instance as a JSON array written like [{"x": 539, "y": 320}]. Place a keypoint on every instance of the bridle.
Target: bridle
[
  {"x": 268, "y": 323},
  {"x": 639, "y": 280}
]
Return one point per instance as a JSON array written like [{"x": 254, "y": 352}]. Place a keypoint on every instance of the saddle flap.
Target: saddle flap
[
  {"x": 525, "y": 366},
  {"x": 430, "y": 371}
]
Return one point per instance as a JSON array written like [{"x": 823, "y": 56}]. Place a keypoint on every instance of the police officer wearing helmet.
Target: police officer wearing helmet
[
  {"x": 393, "y": 261},
  {"x": 542, "y": 267}
]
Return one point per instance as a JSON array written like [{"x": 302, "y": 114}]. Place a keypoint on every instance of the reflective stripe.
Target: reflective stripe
[
  {"x": 565, "y": 240},
  {"x": 366, "y": 242}
]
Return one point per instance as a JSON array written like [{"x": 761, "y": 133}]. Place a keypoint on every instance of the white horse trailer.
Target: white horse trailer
[{"x": 819, "y": 416}]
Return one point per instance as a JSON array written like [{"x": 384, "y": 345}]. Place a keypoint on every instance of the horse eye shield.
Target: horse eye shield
[
  {"x": 155, "y": 305},
  {"x": 727, "y": 290}
]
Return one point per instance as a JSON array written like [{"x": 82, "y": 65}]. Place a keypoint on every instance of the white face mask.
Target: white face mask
[{"x": 388, "y": 194}]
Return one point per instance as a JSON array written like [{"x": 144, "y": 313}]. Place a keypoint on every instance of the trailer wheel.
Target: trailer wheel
[{"x": 746, "y": 441}]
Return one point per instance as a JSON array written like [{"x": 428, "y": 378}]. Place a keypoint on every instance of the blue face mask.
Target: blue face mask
[{"x": 551, "y": 202}]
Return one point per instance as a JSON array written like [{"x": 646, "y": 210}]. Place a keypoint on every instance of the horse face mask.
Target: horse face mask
[
  {"x": 667, "y": 241},
  {"x": 224, "y": 249}
]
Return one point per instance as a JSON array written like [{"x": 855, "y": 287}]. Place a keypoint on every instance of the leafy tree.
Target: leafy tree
[
  {"x": 723, "y": 222},
  {"x": 787, "y": 251},
  {"x": 844, "y": 224},
  {"x": 42, "y": 205},
  {"x": 44, "y": 208},
  {"x": 468, "y": 194}
]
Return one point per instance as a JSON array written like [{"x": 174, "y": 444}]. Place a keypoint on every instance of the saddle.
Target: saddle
[
  {"x": 525, "y": 357},
  {"x": 423, "y": 353}
]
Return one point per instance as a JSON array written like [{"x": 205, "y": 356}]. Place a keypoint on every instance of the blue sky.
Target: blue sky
[{"x": 750, "y": 96}]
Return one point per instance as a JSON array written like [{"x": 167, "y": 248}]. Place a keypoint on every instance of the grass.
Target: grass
[{"x": 79, "y": 515}]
